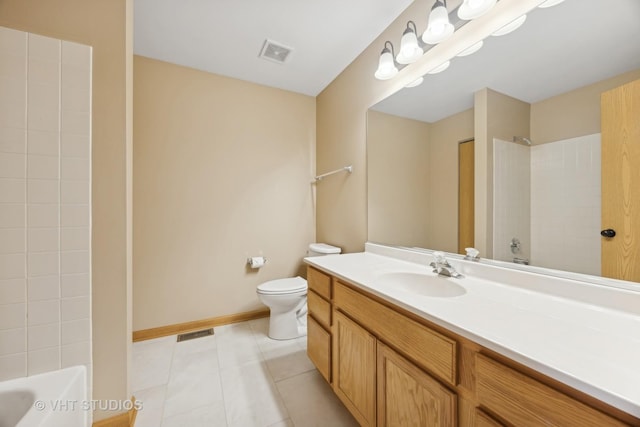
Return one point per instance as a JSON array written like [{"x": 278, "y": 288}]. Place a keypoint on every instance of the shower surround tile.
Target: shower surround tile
[{"x": 40, "y": 79}]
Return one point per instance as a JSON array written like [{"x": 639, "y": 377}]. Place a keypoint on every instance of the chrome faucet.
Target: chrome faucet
[{"x": 442, "y": 266}]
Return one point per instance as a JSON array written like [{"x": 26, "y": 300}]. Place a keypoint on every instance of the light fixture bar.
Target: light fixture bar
[{"x": 387, "y": 72}]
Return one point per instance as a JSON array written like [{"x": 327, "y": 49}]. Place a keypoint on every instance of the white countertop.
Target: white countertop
[{"x": 591, "y": 343}]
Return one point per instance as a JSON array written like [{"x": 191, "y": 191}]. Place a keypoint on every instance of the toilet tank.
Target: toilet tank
[{"x": 319, "y": 249}]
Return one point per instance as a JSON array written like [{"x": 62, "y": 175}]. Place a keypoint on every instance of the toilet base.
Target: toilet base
[{"x": 288, "y": 326}]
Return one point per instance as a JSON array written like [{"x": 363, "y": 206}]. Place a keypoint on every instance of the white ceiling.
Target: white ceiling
[
  {"x": 225, "y": 36},
  {"x": 558, "y": 49}
]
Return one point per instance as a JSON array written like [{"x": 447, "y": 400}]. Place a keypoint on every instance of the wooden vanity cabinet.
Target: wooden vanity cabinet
[
  {"x": 319, "y": 321},
  {"x": 392, "y": 369},
  {"x": 379, "y": 385}
]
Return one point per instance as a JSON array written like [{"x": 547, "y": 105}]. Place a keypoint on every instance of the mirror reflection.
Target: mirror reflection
[{"x": 502, "y": 151}]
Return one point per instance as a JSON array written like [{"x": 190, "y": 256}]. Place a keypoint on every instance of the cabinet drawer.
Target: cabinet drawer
[
  {"x": 426, "y": 347},
  {"x": 522, "y": 400},
  {"x": 319, "y": 309},
  {"x": 319, "y": 347},
  {"x": 319, "y": 282}
]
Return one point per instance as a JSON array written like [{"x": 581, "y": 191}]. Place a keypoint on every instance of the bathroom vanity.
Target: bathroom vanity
[{"x": 401, "y": 346}]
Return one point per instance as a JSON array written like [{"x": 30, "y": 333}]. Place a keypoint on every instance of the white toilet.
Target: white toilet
[{"x": 287, "y": 300}]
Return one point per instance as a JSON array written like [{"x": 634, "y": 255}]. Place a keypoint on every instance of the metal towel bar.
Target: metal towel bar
[{"x": 346, "y": 168}]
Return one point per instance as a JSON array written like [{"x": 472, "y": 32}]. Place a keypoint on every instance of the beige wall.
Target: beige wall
[
  {"x": 443, "y": 178},
  {"x": 105, "y": 25},
  {"x": 341, "y": 116},
  {"x": 412, "y": 179},
  {"x": 222, "y": 171},
  {"x": 572, "y": 114},
  {"x": 497, "y": 116},
  {"x": 398, "y": 180}
]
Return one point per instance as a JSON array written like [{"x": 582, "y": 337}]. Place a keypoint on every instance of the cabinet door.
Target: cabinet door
[
  {"x": 354, "y": 368},
  {"x": 319, "y": 347},
  {"x": 407, "y": 396}
]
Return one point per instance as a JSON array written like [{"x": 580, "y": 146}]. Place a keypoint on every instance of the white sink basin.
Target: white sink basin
[{"x": 421, "y": 284}]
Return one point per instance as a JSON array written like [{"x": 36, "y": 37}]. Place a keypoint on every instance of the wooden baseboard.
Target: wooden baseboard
[
  {"x": 126, "y": 419},
  {"x": 163, "y": 331}
]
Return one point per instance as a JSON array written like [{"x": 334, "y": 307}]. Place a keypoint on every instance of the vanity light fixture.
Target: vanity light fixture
[
  {"x": 439, "y": 28},
  {"x": 471, "y": 49},
  {"x": 440, "y": 68},
  {"x": 386, "y": 66},
  {"x": 550, "y": 3},
  {"x": 510, "y": 27},
  {"x": 410, "y": 50},
  {"x": 472, "y": 9},
  {"x": 416, "y": 82}
]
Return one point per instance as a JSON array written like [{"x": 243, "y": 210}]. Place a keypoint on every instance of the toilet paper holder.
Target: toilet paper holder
[{"x": 256, "y": 261}]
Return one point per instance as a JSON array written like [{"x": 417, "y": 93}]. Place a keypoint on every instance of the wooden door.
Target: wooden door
[
  {"x": 465, "y": 195},
  {"x": 354, "y": 369},
  {"x": 620, "y": 113},
  {"x": 407, "y": 396}
]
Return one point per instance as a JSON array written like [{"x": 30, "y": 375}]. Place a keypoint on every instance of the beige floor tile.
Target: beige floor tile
[
  {"x": 238, "y": 377},
  {"x": 311, "y": 402},
  {"x": 151, "y": 362},
  {"x": 204, "y": 416},
  {"x": 250, "y": 396},
  {"x": 152, "y": 401}
]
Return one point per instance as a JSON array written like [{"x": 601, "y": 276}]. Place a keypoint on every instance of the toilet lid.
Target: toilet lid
[{"x": 283, "y": 286}]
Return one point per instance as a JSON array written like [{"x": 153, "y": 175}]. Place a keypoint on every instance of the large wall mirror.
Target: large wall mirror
[{"x": 533, "y": 97}]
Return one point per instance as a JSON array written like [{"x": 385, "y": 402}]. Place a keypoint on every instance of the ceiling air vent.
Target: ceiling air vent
[{"x": 274, "y": 51}]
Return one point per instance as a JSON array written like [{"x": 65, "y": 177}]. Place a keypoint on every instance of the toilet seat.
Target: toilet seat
[{"x": 283, "y": 286}]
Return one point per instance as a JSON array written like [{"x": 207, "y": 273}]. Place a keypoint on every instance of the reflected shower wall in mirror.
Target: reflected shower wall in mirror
[{"x": 542, "y": 82}]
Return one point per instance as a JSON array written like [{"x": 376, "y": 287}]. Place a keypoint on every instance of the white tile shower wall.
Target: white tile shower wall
[
  {"x": 511, "y": 200},
  {"x": 566, "y": 204},
  {"x": 45, "y": 209}
]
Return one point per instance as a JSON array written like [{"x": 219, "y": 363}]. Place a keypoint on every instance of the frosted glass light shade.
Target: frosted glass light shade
[
  {"x": 550, "y": 3},
  {"x": 416, "y": 82},
  {"x": 440, "y": 68},
  {"x": 386, "y": 66},
  {"x": 472, "y": 9},
  {"x": 510, "y": 27},
  {"x": 439, "y": 28},
  {"x": 471, "y": 49},
  {"x": 410, "y": 51}
]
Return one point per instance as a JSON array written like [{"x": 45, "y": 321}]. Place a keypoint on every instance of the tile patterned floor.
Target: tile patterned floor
[{"x": 235, "y": 378}]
